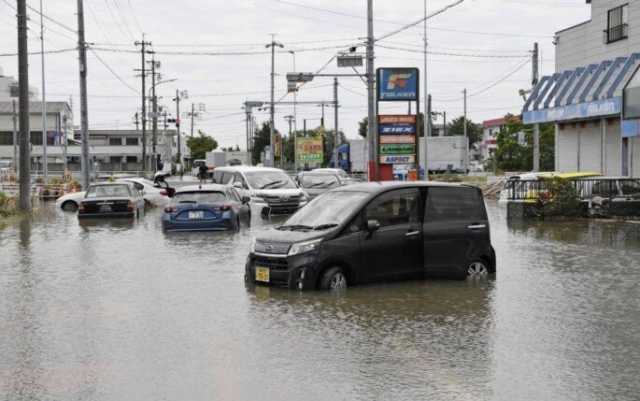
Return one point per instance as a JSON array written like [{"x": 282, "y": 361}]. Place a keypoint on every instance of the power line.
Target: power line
[
  {"x": 113, "y": 72},
  {"x": 436, "y": 53},
  {"x": 135, "y": 19},
  {"x": 58, "y": 51}
]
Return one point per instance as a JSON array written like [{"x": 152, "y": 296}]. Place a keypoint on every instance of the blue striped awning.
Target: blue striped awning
[{"x": 586, "y": 92}]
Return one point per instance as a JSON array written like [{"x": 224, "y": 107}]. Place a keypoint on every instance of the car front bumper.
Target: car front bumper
[{"x": 293, "y": 272}]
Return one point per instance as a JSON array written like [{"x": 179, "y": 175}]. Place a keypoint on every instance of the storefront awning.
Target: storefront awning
[{"x": 586, "y": 92}]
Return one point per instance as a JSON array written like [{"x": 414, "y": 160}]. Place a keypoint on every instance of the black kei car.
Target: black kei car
[{"x": 376, "y": 232}]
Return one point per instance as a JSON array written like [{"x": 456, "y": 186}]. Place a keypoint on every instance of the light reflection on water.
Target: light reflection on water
[{"x": 108, "y": 310}]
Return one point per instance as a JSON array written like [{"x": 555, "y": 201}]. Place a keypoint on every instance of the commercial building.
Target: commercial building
[{"x": 595, "y": 62}]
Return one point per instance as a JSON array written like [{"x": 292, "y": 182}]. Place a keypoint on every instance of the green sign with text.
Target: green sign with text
[{"x": 398, "y": 149}]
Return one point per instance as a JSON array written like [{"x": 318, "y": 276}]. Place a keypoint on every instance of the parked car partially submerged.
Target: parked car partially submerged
[
  {"x": 377, "y": 231},
  {"x": 111, "y": 200},
  {"x": 206, "y": 208},
  {"x": 317, "y": 182}
]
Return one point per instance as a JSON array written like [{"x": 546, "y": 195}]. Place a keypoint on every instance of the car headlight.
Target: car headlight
[{"x": 304, "y": 247}]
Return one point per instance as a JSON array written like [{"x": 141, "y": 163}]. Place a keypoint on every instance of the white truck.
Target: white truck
[
  {"x": 358, "y": 155},
  {"x": 446, "y": 154}
]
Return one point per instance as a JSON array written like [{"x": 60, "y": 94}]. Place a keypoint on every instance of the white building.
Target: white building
[
  {"x": 9, "y": 88},
  {"x": 595, "y": 60}
]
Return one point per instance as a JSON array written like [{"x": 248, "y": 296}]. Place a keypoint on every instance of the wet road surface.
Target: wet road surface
[{"x": 122, "y": 311}]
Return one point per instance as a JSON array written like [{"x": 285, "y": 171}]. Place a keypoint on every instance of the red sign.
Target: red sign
[
  {"x": 390, "y": 139},
  {"x": 397, "y": 119}
]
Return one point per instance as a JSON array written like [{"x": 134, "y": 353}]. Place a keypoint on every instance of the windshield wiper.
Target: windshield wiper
[
  {"x": 319, "y": 185},
  {"x": 325, "y": 226},
  {"x": 294, "y": 227},
  {"x": 267, "y": 185}
]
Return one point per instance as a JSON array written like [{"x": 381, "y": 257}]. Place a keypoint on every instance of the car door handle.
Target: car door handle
[
  {"x": 412, "y": 234},
  {"x": 477, "y": 226}
]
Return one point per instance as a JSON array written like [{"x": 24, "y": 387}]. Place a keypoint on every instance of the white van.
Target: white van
[{"x": 271, "y": 190}]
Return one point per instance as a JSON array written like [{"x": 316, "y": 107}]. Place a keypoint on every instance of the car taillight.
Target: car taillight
[
  {"x": 164, "y": 193},
  {"x": 169, "y": 209},
  {"x": 131, "y": 206}
]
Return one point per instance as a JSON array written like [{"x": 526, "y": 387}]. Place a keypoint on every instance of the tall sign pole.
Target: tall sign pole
[
  {"x": 23, "y": 67},
  {"x": 372, "y": 134},
  {"x": 45, "y": 158},
  {"x": 84, "y": 116}
]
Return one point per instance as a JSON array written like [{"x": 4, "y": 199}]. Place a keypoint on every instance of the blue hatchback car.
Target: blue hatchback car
[{"x": 206, "y": 208}]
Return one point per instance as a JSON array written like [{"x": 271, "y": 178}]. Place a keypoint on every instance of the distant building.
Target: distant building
[
  {"x": 9, "y": 88},
  {"x": 595, "y": 61},
  {"x": 490, "y": 130}
]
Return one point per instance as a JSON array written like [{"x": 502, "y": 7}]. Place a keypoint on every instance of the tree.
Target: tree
[
  {"x": 515, "y": 146},
  {"x": 201, "y": 144},
  {"x": 456, "y": 128},
  {"x": 261, "y": 139}
]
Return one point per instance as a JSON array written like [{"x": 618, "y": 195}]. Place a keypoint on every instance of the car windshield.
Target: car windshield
[
  {"x": 199, "y": 197},
  {"x": 327, "y": 210},
  {"x": 269, "y": 180},
  {"x": 108, "y": 191},
  {"x": 319, "y": 181}
]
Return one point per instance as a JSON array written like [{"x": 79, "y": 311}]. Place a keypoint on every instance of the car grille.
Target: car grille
[
  {"x": 272, "y": 263},
  {"x": 274, "y": 248},
  {"x": 278, "y": 203}
]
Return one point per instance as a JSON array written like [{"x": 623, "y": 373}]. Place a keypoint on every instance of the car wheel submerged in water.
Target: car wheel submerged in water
[
  {"x": 477, "y": 269},
  {"x": 333, "y": 279},
  {"x": 69, "y": 206}
]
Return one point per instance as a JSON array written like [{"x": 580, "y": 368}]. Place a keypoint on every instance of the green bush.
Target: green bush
[{"x": 560, "y": 199}]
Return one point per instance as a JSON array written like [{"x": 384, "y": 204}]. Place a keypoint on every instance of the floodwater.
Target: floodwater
[{"x": 117, "y": 311}]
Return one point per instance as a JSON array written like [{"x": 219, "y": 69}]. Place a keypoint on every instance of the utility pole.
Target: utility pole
[
  {"x": 272, "y": 142},
  {"x": 295, "y": 96},
  {"x": 193, "y": 113},
  {"x": 322, "y": 119},
  {"x": 247, "y": 113},
  {"x": 14, "y": 118},
  {"x": 23, "y": 67},
  {"x": 45, "y": 158},
  {"x": 336, "y": 141},
  {"x": 427, "y": 125},
  {"x": 444, "y": 117},
  {"x": 536, "y": 127},
  {"x": 143, "y": 52},
  {"x": 84, "y": 115},
  {"x": 154, "y": 135},
  {"x": 466, "y": 135},
  {"x": 372, "y": 134},
  {"x": 179, "y": 155}
]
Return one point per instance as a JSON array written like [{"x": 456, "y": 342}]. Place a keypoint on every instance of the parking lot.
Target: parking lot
[{"x": 113, "y": 310}]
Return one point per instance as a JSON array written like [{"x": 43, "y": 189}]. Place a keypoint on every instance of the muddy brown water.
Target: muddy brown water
[{"x": 122, "y": 311}]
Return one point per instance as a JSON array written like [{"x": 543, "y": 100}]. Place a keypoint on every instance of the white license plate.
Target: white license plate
[
  {"x": 105, "y": 208},
  {"x": 262, "y": 274},
  {"x": 199, "y": 215}
]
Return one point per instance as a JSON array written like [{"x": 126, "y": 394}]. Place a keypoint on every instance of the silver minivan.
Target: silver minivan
[{"x": 271, "y": 190}]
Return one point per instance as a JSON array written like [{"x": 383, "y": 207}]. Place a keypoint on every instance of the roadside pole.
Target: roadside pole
[
  {"x": 336, "y": 140},
  {"x": 427, "y": 104},
  {"x": 45, "y": 158},
  {"x": 154, "y": 124},
  {"x": 84, "y": 116},
  {"x": 272, "y": 142},
  {"x": 143, "y": 51},
  {"x": 536, "y": 127},
  {"x": 179, "y": 155},
  {"x": 193, "y": 113},
  {"x": 14, "y": 118},
  {"x": 23, "y": 67},
  {"x": 372, "y": 123},
  {"x": 466, "y": 135}
]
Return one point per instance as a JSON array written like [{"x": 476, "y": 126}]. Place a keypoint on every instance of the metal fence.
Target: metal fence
[{"x": 528, "y": 190}]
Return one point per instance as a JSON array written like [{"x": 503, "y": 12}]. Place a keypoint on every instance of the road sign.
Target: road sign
[
  {"x": 397, "y": 129},
  {"x": 299, "y": 77},
  {"x": 397, "y": 84},
  {"x": 350, "y": 60},
  {"x": 397, "y": 119},
  {"x": 310, "y": 150}
]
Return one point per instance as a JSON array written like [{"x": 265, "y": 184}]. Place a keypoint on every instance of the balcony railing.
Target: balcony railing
[{"x": 616, "y": 33}]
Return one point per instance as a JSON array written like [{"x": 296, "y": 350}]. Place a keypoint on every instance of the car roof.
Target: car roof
[
  {"x": 202, "y": 188},
  {"x": 319, "y": 172},
  {"x": 243, "y": 169},
  {"x": 376, "y": 187},
  {"x": 111, "y": 184}
]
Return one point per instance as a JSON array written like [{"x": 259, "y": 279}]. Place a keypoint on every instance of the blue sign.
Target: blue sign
[
  {"x": 397, "y": 129},
  {"x": 598, "y": 108},
  {"x": 630, "y": 128},
  {"x": 398, "y": 84}
]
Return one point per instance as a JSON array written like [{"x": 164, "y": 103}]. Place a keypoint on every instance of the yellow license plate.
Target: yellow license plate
[{"x": 262, "y": 274}]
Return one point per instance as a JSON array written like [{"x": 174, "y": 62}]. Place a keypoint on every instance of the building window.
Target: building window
[
  {"x": 115, "y": 141},
  {"x": 115, "y": 159},
  {"x": 6, "y": 138},
  {"x": 132, "y": 141},
  {"x": 617, "y": 27},
  {"x": 132, "y": 159}
]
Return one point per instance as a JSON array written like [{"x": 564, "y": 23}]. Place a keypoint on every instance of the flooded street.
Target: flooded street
[{"x": 115, "y": 311}]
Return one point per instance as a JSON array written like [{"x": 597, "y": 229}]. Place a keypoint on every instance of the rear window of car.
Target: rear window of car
[
  {"x": 445, "y": 204},
  {"x": 199, "y": 197},
  {"x": 106, "y": 191}
]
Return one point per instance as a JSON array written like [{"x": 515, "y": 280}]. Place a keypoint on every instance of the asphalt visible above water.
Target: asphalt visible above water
[{"x": 122, "y": 311}]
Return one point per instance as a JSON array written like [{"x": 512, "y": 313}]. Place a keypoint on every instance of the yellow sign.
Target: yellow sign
[{"x": 310, "y": 150}]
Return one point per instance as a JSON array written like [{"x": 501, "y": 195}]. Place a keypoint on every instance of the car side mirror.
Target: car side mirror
[
  {"x": 373, "y": 226},
  {"x": 246, "y": 200}
]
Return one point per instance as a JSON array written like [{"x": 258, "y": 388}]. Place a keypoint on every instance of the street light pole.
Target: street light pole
[
  {"x": 372, "y": 137},
  {"x": 272, "y": 142}
]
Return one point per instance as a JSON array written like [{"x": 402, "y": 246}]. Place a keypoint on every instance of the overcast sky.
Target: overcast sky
[{"x": 494, "y": 37}]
